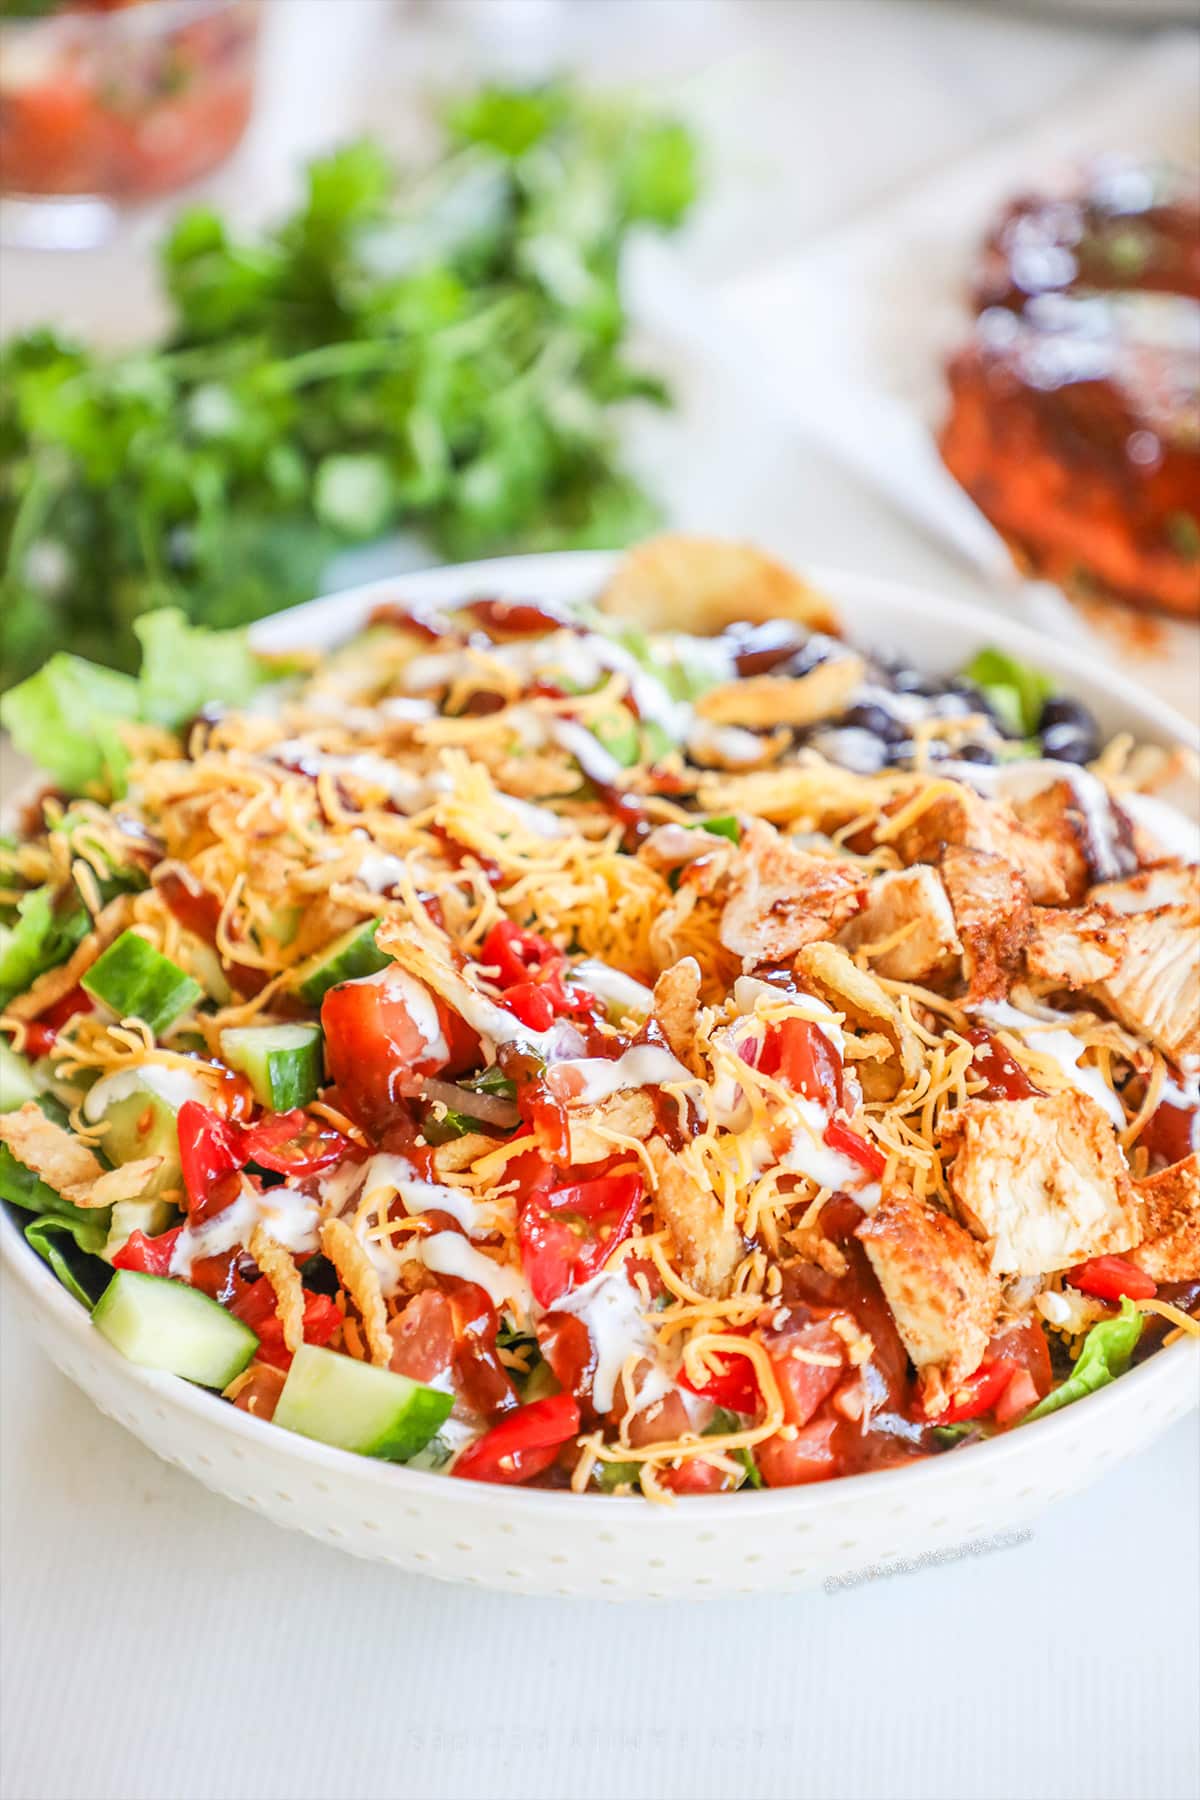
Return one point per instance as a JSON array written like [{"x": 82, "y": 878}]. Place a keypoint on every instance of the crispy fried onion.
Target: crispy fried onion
[
  {"x": 278, "y": 1268},
  {"x": 358, "y": 1278},
  {"x": 65, "y": 1163}
]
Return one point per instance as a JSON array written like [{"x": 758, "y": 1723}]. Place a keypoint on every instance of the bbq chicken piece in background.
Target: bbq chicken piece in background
[{"x": 1075, "y": 403}]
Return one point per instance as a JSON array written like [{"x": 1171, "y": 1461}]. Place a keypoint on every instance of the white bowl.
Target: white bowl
[{"x": 534, "y": 1542}]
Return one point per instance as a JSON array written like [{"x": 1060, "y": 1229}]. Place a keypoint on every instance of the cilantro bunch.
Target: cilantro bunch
[{"x": 444, "y": 357}]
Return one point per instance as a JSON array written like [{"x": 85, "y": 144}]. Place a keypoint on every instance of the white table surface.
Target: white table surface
[{"x": 158, "y": 1641}]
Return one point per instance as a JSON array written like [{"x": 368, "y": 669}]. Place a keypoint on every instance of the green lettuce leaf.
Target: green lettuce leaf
[
  {"x": 41, "y": 939},
  {"x": 72, "y": 1249},
  {"x": 21, "y": 1187},
  {"x": 721, "y": 1424},
  {"x": 1016, "y": 691},
  {"x": 69, "y": 1238},
  {"x": 1105, "y": 1355},
  {"x": 185, "y": 666},
  {"x": 66, "y": 718}
]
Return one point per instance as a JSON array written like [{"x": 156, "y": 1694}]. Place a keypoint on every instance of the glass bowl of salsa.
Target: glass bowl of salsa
[{"x": 121, "y": 100}]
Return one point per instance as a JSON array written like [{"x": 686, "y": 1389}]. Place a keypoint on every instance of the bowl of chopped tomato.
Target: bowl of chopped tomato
[
  {"x": 121, "y": 99},
  {"x": 467, "y": 1236}
]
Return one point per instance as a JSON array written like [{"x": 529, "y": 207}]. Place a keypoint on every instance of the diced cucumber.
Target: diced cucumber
[
  {"x": 618, "y": 732},
  {"x": 18, "y": 1083},
  {"x": 353, "y": 955},
  {"x": 539, "y": 1384},
  {"x": 281, "y": 1062},
  {"x": 657, "y": 741},
  {"x": 163, "y": 1324},
  {"x": 150, "y": 1217},
  {"x": 209, "y": 973},
  {"x": 143, "y": 1124},
  {"x": 283, "y": 922},
  {"x": 610, "y": 1476},
  {"x": 138, "y": 982},
  {"x": 357, "y": 1407}
]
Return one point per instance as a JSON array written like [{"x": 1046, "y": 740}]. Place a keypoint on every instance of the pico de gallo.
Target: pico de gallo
[
  {"x": 539, "y": 1044},
  {"x": 122, "y": 98}
]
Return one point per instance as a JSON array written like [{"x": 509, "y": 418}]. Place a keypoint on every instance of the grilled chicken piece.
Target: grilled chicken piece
[
  {"x": 992, "y": 913},
  {"x": 708, "y": 1248},
  {"x": 781, "y": 898},
  {"x": 1170, "y": 1209},
  {"x": 912, "y": 900},
  {"x": 1043, "y": 1179},
  {"x": 1174, "y": 884},
  {"x": 1050, "y": 410},
  {"x": 1075, "y": 411},
  {"x": 935, "y": 1280},
  {"x": 1054, "y": 866},
  {"x": 1071, "y": 948},
  {"x": 1092, "y": 838},
  {"x": 1142, "y": 966},
  {"x": 1125, "y": 225}
]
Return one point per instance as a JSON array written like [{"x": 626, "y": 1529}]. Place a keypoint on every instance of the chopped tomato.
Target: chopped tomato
[
  {"x": 210, "y": 1155},
  {"x": 1017, "y": 1398},
  {"x": 213, "y": 1151},
  {"x": 517, "y": 955},
  {"x": 859, "y": 1149},
  {"x": 42, "y": 1032},
  {"x": 531, "y": 1003},
  {"x": 422, "y": 1335},
  {"x": 529, "y": 969},
  {"x": 566, "y": 1344},
  {"x": 199, "y": 911},
  {"x": 256, "y": 1308},
  {"x": 1005, "y": 1078},
  {"x": 292, "y": 1143},
  {"x": 522, "y": 1445},
  {"x": 978, "y": 1395},
  {"x": 1024, "y": 1346},
  {"x": 793, "y": 1461},
  {"x": 378, "y": 1052},
  {"x": 221, "y": 1277},
  {"x": 732, "y": 1384},
  {"x": 802, "y": 1056},
  {"x": 259, "y": 1394},
  {"x": 1172, "y": 1132},
  {"x": 148, "y": 1255},
  {"x": 1111, "y": 1278},
  {"x": 695, "y": 1476},
  {"x": 479, "y": 1376},
  {"x": 808, "y": 1361},
  {"x": 567, "y": 1235}
]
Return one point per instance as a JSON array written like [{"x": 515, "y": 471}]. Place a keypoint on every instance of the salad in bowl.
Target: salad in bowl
[{"x": 655, "y": 1046}]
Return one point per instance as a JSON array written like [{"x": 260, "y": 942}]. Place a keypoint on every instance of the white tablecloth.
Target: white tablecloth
[{"x": 158, "y": 1641}]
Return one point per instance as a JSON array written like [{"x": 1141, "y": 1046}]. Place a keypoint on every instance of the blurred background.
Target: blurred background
[{"x": 565, "y": 269}]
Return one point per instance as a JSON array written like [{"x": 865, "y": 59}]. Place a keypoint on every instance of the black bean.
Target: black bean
[
  {"x": 867, "y": 716},
  {"x": 901, "y": 753},
  {"x": 818, "y": 649},
  {"x": 911, "y": 681},
  {"x": 1068, "y": 743},
  {"x": 1061, "y": 709},
  {"x": 974, "y": 753},
  {"x": 975, "y": 699}
]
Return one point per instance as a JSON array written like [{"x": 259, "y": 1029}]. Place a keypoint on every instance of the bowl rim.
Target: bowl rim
[{"x": 52, "y": 1300}]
